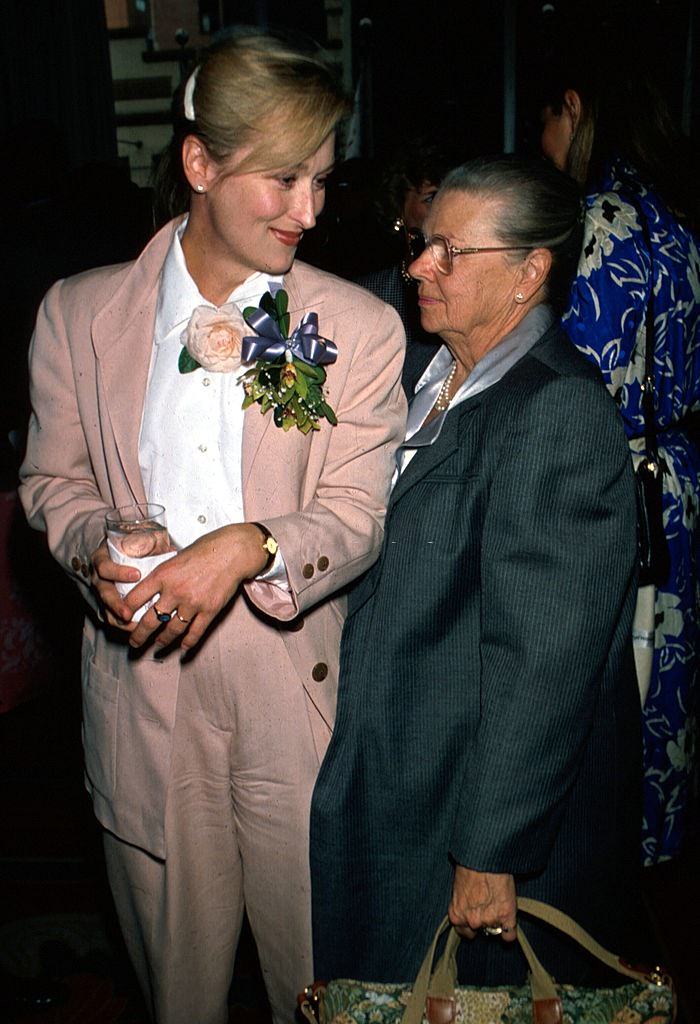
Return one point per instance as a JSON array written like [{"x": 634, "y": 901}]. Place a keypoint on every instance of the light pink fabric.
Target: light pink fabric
[
  {"x": 240, "y": 783},
  {"x": 323, "y": 497}
]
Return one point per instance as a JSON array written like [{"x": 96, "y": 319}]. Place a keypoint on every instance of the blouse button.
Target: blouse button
[
  {"x": 202, "y": 447},
  {"x": 206, "y": 382},
  {"x": 201, "y": 519}
]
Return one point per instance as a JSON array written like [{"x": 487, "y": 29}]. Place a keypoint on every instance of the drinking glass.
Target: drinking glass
[{"x": 137, "y": 535}]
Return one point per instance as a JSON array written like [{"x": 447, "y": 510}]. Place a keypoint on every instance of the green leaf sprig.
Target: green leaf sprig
[
  {"x": 291, "y": 388},
  {"x": 187, "y": 363}
]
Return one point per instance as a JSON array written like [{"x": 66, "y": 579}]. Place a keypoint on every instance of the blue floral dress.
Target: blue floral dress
[{"x": 606, "y": 322}]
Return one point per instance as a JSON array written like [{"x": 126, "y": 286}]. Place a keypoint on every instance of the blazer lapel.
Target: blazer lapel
[
  {"x": 429, "y": 458},
  {"x": 424, "y": 462},
  {"x": 298, "y": 302},
  {"x": 122, "y": 337}
]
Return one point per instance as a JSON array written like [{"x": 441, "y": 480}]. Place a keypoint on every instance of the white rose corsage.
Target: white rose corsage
[{"x": 212, "y": 339}]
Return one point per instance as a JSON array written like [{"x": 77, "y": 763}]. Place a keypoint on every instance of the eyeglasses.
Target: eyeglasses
[{"x": 443, "y": 252}]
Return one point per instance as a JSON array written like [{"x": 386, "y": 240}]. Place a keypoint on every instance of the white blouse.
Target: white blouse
[{"x": 192, "y": 424}]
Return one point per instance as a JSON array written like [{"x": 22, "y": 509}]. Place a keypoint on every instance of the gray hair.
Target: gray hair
[{"x": 538, "y": 207}]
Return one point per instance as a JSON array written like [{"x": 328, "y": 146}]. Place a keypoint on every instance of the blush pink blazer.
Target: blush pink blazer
[{"x": 323, "y": 497}]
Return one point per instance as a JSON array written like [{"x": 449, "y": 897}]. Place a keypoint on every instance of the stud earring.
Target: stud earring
[
  {"x": 519, "y": 297},
  {"x": 200, "y": 188}
]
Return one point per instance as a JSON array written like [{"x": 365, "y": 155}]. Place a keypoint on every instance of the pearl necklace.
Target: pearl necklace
[{"x": 443, "y": 399}]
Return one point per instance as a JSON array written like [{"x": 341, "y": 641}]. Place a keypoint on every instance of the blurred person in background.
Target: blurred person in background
[
  {"x": 403, "y": 197},
  {"x": 611, "y": 130}
]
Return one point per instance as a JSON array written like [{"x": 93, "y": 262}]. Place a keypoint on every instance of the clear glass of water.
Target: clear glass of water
[{"x": 137, "y": 535}]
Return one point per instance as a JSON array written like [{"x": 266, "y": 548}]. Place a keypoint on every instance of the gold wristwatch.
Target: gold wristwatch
[{"x": 269, "y": 546}]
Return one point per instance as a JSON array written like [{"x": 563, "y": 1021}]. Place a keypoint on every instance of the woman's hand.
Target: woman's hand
[
  {"x": 483, "y": 900},
  {"x": 105, "y": 573},
  {"x": 196, "y": 584}
]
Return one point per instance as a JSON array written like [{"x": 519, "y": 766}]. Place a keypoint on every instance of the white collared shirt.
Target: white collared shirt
[{"x": 192, "y": 424}]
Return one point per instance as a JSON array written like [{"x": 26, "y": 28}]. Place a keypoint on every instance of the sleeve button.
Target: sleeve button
[
  {"x": 308, "y": 571},
  {"x": 84, "y": 570},
  {"x": 75, "y": 564},
  {"x": 319, "y": 671},
  {"x": 322, "y": 563}
]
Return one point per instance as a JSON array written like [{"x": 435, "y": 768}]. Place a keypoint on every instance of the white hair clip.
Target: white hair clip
[{"x": 188, "y": 101}]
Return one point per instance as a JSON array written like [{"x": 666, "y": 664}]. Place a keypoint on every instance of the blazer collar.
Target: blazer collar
[
  {"x": 531, "y": 332},
  {"x": 429, "y": 458},
  {"x": 122, "y": 335},
  {"x": 300, "y": 301}
]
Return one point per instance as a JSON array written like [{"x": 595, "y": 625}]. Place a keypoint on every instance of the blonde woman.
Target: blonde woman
[{"x": 205, "y": 721}]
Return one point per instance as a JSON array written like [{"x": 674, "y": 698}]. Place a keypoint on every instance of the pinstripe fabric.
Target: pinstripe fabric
[{"x": 488, "y": 709}]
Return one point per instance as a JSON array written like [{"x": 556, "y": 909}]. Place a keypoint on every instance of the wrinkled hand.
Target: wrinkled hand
[
  {"x": 198, "y": 582},
  {"x": 481, "y": 899},
  {"x": 105, "y": 573}
]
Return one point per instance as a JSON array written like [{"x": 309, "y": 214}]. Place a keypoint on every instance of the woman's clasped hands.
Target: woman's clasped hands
[{"x": 192, "y": 588}]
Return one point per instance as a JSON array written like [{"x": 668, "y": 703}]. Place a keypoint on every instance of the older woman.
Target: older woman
[
  {"x": 487, "y": 739},
  {"x": 201, "y": 767}
]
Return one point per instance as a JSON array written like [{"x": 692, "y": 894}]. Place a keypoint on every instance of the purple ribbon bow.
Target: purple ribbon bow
[{"x": 304, "y": 343}]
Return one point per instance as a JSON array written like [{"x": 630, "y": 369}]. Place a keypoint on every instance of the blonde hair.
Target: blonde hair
[{"x": 257, "y": 92}]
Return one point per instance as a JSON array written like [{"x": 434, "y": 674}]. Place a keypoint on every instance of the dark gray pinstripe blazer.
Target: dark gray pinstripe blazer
[{"x": 488, "y": 710}]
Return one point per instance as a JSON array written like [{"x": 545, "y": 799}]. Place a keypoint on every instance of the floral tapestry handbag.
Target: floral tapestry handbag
[{"x": 435, "y": 997}]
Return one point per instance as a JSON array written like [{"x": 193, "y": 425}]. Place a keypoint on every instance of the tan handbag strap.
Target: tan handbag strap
[
  {"x": 441, "y": 982},
  {"x": 566, "y": 924}
]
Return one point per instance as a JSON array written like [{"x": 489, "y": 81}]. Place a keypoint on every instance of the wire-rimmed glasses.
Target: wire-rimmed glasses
[{"x": 443, "y": 252}]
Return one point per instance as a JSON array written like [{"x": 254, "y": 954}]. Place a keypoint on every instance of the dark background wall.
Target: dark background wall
[
  {"x": 54, "y": 65},
  {"x": 436, "y": 65},
  {"x": 442, "y": 66},
  {"x": 436, "y": 68}
]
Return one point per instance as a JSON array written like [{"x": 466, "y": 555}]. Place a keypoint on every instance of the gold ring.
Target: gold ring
[{"x": 183, "y": 621}]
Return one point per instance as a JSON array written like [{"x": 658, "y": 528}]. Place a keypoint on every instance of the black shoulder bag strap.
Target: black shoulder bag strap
[{"x": 654, "y": 559}]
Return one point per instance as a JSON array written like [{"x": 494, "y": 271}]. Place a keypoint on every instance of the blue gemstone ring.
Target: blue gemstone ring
[{"x": 162, "y": 616}]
